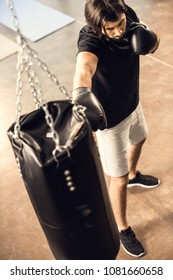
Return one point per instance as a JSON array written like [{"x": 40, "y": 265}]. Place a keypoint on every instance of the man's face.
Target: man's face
[{"x": 115, "y": 29}]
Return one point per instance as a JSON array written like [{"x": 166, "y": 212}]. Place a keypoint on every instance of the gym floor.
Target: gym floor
[{"x": 150, "y": 212}]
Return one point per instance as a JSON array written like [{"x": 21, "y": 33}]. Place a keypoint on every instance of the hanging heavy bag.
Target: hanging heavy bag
[
  {"x": 61, "y": 170},
  {"x": 67, "y": 189}
]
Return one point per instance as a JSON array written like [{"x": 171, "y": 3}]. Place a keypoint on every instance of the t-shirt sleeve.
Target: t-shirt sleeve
[{"x": 93, "y": 44}]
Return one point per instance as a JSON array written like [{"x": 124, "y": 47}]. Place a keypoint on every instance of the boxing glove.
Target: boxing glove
[
  {"x": 142, "y": 40},
  {"x": 94, "y": 110}
]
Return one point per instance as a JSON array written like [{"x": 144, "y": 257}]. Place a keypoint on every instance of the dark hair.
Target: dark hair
[{"x": 97, "y": 12}]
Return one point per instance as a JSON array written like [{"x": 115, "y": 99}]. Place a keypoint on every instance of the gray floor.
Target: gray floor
[{"x": 150, "y": 212}]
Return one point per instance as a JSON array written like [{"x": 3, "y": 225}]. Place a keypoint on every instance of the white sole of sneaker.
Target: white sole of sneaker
[
  {"x": 143, "y": 186},
  {"x": 136, "y": 256}
]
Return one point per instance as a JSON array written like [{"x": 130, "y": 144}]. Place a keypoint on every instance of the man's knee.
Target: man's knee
[
  {"x": 120, "y": 181},
  {"x": 138, "y": 145},
  {"x": 143, "y": 141}
]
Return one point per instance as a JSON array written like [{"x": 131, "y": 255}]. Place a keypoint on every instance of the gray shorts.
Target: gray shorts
[{"x": 113, "y": 142}]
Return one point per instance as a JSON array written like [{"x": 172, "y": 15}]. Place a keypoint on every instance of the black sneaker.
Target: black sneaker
[
  {"x": 130, "y": 244},
  {"x": 145, "y": 181}
]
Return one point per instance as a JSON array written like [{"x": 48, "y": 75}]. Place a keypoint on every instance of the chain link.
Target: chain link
[
  {"x": 45, "y": 68},
  {"x": 34, "y": 83},
  {"x": 19, "y": 92},
  {"x": 50, "y": 123},
  {"x": 58, "y": 148}
]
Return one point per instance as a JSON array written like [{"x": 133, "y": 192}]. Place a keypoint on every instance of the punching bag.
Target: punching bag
[{"x": 66, "y": 186}]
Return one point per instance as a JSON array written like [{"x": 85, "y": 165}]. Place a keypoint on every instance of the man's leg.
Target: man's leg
[
  {"x": 135, "y": 177},
  {"x": 118, "y": 187},
  {"x": 134, "y": 152},
  {"x": 118, "y": 197}
]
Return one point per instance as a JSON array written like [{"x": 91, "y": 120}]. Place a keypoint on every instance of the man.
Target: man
[{"x": 106, "y": 81}]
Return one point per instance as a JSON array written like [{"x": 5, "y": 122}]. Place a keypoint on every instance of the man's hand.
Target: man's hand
[
  {"x": 142, "y": 39},
  {"x": 94, "y": 110}
]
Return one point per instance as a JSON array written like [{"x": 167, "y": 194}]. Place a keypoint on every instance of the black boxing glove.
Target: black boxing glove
[
  {"x": 142, "y": 39},
  {"x": 94, "y": 110}
]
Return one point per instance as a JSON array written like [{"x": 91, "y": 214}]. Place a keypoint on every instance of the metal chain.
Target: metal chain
[
  {"x": 19, "y": 92},
  {"x": 34, "y": 83},
  {"x": 45, "y": 68},
  {"x": 58, "y": 148},
  {"x": 24, "y": 63}
]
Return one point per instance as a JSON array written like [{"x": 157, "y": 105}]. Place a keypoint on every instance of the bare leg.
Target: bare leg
[
  {"x": 118, "y": 187},
  {"x": 134, "y": 152},
  {"x": 118, "y": 198}
]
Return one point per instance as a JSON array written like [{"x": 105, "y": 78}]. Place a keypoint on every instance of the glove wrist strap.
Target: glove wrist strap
[{"x": 81, "y": 90}]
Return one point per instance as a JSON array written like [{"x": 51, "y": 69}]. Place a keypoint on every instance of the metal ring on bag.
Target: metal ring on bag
[
  {"x": 79, "y": 111},
  {"x": 60, "y": 149}
]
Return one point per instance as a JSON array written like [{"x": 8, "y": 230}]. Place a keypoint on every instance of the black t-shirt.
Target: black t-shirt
[{"x": 116, "y": 80}]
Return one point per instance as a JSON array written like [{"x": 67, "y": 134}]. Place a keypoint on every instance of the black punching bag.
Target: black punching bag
[{"x": 67, "y": 190}]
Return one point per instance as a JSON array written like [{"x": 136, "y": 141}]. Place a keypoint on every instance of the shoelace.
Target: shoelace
[
  {"x": 143, "y": 177},
  {"x": 131, "y": 235}
]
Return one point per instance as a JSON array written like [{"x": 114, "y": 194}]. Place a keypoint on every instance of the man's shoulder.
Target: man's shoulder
[
  {"x": 89, "y": 41},
  {"x": 87, "y": 33},
  {"x": 131, "y": 15},
  {"x": 88, "y": 36}
]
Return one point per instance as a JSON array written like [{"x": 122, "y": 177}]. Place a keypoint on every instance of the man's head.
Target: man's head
[{"x": 106, "y": 17}]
